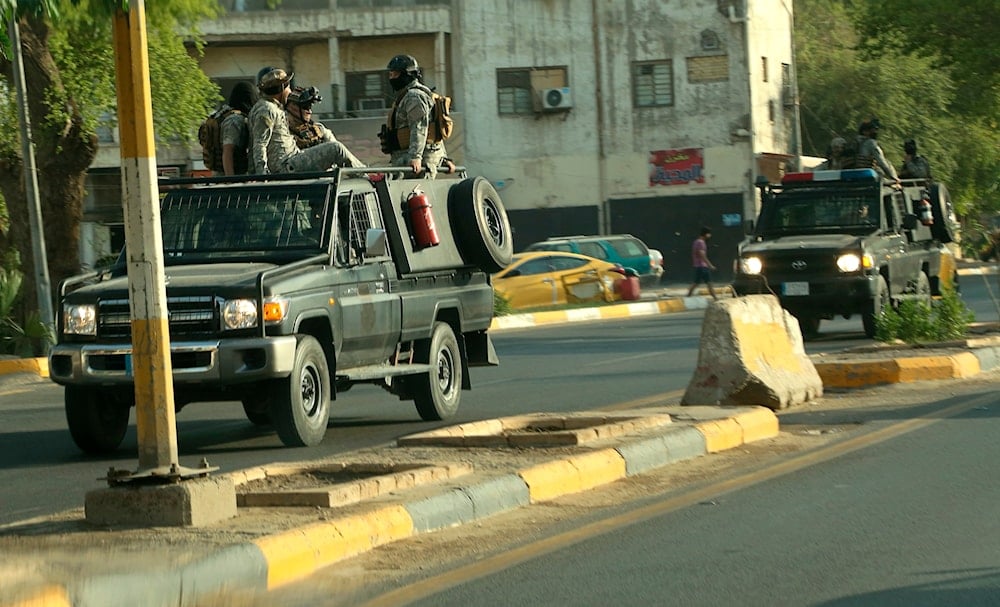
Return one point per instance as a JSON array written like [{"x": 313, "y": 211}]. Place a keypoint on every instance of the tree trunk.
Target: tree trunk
[{"x": 64, "y": 151}]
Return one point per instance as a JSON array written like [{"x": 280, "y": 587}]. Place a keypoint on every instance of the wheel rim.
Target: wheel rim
[
  {"x": 445, "y": 372},
  {"x": 309, "y": 390},
  {"x": 494, "y": 222}
]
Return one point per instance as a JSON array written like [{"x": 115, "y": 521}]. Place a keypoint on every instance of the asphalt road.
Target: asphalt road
[{"x": 572, "y": 367}]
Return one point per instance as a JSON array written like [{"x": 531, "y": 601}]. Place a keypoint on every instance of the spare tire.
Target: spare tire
[
  {"x": 945, "y": 227},
  {"x": 480, "y": 225}
]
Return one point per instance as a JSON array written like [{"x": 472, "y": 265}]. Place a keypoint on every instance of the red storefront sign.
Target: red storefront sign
[{"x": 676, "y": 167}]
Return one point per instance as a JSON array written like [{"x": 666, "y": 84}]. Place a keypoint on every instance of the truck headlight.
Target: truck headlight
[
  {"x": 751, "y": 265},
  {"x": 852, "y": 262},
  {"x": 80, "y": 319},
  {"x": 239, "y": 314}
]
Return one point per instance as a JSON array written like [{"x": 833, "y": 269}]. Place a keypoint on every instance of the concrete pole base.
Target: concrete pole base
[{"x": 190, "y": 503}]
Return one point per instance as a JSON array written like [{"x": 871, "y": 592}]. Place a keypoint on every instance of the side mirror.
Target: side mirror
[
  {"x": 748, "y": 227},
  {"x": 376, "y": 243},
  {"x": 910, "y": 221}
]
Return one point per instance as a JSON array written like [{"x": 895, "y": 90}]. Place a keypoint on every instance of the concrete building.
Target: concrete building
[{"x": 589, "y": 116}]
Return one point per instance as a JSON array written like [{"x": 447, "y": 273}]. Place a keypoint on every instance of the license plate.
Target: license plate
[
  {"x": 128, "y": 365},
  {"x": 795, "y": 288}
]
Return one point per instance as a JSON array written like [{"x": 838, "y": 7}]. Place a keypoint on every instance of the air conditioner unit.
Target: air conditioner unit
[{"x": 557, "y": 99}]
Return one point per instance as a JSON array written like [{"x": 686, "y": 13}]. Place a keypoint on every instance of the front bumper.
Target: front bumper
[
  {"x": 821, "y": 296},
  {"x": 219, "y": 363}
]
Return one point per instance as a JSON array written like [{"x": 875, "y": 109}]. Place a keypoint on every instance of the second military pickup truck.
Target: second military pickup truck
[
  {"x": 839, "y": 243},
  {"x": 284, "y": 291}
]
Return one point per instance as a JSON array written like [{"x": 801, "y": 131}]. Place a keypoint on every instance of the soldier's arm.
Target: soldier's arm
[
  {"x": 260, "y": 136},
  {"x": 885, "y": 164},
  {"x": 418, "y": 115}
]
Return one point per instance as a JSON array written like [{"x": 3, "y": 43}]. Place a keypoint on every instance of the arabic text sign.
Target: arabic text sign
[{"x": 676, "y": 167}]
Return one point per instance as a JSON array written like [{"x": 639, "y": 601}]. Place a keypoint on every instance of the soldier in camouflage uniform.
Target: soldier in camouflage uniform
[
  {"x": 870, "y": 155},
  {"x": 915, "y": 166},
  {"x": 837, "y": 159},
  {"x": 235, "y": 133},
  {"x": 306, "y": 131},
  {"x": 272, "y": 145},
  {"x": 406, "y": 137}
]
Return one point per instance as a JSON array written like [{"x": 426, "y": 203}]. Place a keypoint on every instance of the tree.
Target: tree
[
  {"x": 69, "y": 70},
  {"x": 841, "y": 83},
  {"x": 962, "y": 37}
]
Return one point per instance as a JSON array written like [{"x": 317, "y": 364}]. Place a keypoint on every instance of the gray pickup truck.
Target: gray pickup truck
[
  {"x": 838, "y": 243},
  {"x": 284, "y": 291}
]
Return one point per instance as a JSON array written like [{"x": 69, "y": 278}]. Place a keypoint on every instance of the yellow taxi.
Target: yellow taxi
[{"x": 545, "y": 278}]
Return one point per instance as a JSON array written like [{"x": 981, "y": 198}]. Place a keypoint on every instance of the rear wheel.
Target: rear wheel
[
  {"x": 300, "y": 405},
  {"x": 97, "y": 421},
  {"x": 923, "y": 290},
  {"x": 480, "y": 224},
  {"x": 437, "y": 394},
  {"x": 870, "y": 316}
]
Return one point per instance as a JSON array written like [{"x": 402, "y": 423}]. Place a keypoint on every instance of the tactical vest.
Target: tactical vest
[
  {"x": 307, "y": 135},
  {"x": 403, "y": 133}
]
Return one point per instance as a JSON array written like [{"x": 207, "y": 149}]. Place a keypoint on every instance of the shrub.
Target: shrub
[
  {"x": 915, "y": 322},
  {"x": 35, "y": 337},
  {"x": 501, "y": 305}
]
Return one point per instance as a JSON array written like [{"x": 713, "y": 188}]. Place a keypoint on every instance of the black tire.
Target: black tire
[
  {"x": 438, "y": 393},
  {"x": 257, "y": 409},
  {"x": 870, "y": 316},
  {"x": 944, "y": 228},
  {"x": 97, "y": 421},
  {"x": 300, "y": 403},
  {"x": 480, "y": 224},
  {"x": 809, "y": 325}
]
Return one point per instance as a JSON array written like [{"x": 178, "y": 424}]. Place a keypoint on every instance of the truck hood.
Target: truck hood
[
  {"x": 812, "y": 241},
  {"x": 220, "y": 277}
]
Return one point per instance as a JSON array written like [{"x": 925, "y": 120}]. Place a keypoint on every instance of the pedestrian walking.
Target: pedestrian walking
[{"x": 702, "y": 266}]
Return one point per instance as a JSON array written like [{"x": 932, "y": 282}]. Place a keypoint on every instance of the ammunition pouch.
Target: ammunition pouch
[{"x": 389, "y": 139}]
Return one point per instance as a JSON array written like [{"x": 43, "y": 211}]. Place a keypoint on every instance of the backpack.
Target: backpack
[
  {"x": 441, "y": 119},
  {"x": 210, "y": 138}
]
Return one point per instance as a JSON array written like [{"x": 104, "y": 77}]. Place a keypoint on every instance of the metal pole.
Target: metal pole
[
  {"x": 154, "y": 390},
  {"x": 43, "y": 289}
]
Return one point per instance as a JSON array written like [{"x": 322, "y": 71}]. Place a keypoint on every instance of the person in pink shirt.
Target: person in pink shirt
[{"x": 702, "y": 266}]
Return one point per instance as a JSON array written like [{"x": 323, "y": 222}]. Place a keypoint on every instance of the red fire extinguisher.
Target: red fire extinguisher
[
  {"x": 926, "y": 217},
  {"x": 422, "y": 220}
]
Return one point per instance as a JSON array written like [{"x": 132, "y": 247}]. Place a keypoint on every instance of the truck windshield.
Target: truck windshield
[
  {"x": 798, "y": 212},
  {"x": 239, "y": 221}
]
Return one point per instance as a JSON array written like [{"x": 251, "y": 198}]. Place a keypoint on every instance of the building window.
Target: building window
[
  {"x": 770, "y": 110},
  {"x": 787, "y": 92},
  {"x": 763, "y": 67},
  {"x": 368, "y": 92},
  {"x": 514, "y": 92},
  {"x": 653, "y": 83}
]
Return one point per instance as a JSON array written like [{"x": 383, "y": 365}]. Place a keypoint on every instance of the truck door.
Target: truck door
[{"x": 370, "y": 315}]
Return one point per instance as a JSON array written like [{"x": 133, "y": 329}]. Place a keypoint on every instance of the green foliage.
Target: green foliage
[
  {"x": 915, "y": 322},
  {"x": 35, "y": 337},
  {"x": 916, "y": 94},
  {"x": 501, "y": 305}
]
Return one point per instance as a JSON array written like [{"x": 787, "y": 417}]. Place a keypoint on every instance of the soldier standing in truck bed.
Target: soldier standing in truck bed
[
  {"x": 915, "y": 166},
  {"x": 870, "y": 155},
  {"x": 408, "y": 143}
]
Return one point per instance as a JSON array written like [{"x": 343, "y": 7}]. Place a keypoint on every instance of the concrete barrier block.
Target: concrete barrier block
[
  {"x": 752, "y": 354},
  {"x": 441, "y": 510},
  {"x": 194, "y": 502}
]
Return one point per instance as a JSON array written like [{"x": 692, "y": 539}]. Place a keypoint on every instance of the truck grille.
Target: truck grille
[
  {"x": 803, "y": 264},
  {"x": 189, "y": 316}
]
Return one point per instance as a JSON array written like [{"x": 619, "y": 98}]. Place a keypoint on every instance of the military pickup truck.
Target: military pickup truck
[
  {"x": 839, "y": 243},
  {"x": 286, "y": 290}
]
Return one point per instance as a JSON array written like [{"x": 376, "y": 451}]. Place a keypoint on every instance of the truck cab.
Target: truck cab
[{"x": 840, "y": 243}]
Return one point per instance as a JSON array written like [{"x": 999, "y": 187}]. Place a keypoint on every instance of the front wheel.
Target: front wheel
[
  {"x": 876, "y": 306},
  {"x": 438, "y": 393},
  {"x": 97, "y": 422},
  {"x": 300, "y": 404},
  {"x": 809, "y": 326}
]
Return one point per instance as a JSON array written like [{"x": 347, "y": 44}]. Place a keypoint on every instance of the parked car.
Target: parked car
[
  {"x": 622, "y": 249},
  {"x": 545, "y": 278}
]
